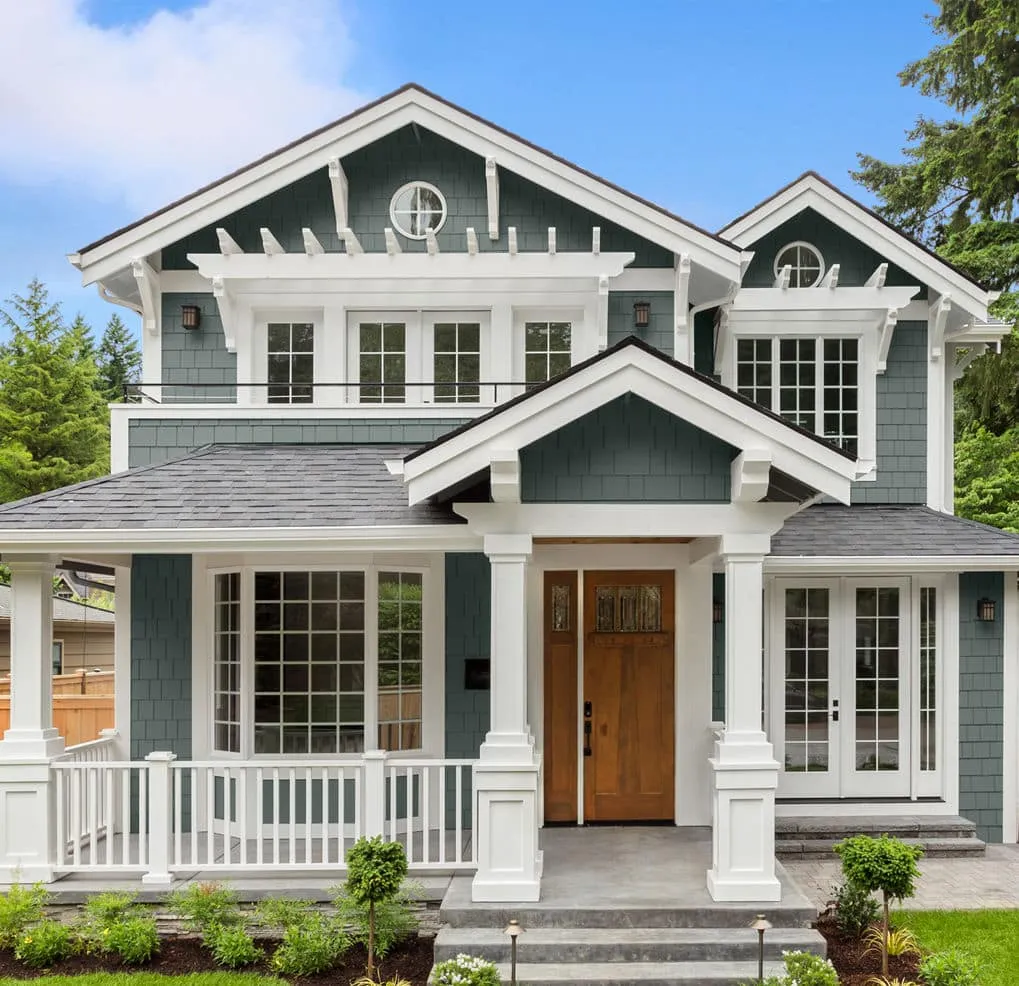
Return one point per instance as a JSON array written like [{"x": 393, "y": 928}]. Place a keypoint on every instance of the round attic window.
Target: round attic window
[
  {"x": 805, "y": 262},
  {"x": 416, "y": 208}
]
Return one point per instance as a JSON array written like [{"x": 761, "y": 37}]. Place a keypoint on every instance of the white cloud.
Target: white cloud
[{"x": 149, "y": 112}]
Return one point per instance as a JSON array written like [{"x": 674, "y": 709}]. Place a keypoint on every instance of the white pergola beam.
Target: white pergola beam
[
  {"x": 227, "y": 312},
  {"x": 312, "y": 247},
  {"x": 877, "y": 279},
  {"x": 511, "y": 240},
  {"x": 350, "y": 242},
  {"x": 783, "y": 277},
  {"x": 148, "y": 290},
  {"x": 885, "y": 339},
  {"x": 831, "y": 279},
  {"x": 504, "y": 476},
  {"x": 596, "y": 240},
  {"x": 227, "y": 244},
  {"x": 431, "y": 243},
  {"x": 338, "y": 182},
  {"x": 472, "y": 241},
  {"x": 392, "y": 243},
  {"x": 824, "y": 300},
  {"x": 270, "y": 244},
  {"x": 603, "y": 312},
  {"x": 492, "y": 187},
  {"x": 681, "y": 305},
  {"x": 551, "y": 241},
  {"x": 750, "y": 475},
  {"x": 937, "y": 320}
]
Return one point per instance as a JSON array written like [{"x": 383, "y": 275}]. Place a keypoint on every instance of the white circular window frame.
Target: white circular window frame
[
  {"x": 392, "y": 209},
  {"x": 813, "y": 249}
]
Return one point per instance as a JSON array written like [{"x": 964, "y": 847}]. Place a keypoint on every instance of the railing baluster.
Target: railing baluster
[
  {"x": 178, "y": 813},
  {"x": 358, "y": 773},
  {"x": 426, "y": 818},
  {"x": 259, "y": 814},
  {"x": 143, "y": 815},
  {"x": 307, "y": 814},
  {"x": 210, "y": 815},
  {"x": 59, "y": 777},
  {"x": 228, "y": 814},
  {"x": 458, "y": 821},
  {"x": 109, "y": 815},
  {"x": 193, "y": 815},
  {"x": 442, "y": 812},
  {"x": 125, "y": 816},
  {"x": 242, "y": 811},
  {"x": 292, "y": 800},
  {"x": 392, "y": 804},
  {"x": 275, "y": 815},
  {"x": 76, "y": 833}
]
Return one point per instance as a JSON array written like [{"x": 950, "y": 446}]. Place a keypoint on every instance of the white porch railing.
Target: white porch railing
[{"x": 161, "y": 816}]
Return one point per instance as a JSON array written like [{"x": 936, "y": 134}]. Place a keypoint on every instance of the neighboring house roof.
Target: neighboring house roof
[
  {"x": 237, "y": 486},
  {"x": 64, "y": 610},
  {"x": 813, "y": 191},
  {"x": 832, "y": 530}
]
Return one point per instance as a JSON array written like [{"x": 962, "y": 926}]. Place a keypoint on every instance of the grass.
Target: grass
[
  {"x": 150, "y": 979},
  {"x": 989, "y": 936}
]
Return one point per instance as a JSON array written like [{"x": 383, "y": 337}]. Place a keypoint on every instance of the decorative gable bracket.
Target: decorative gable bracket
[
  {"x": 751, "y": 475},
  {"x": 148, "y": 291},
  {"x": 492, "y": 186},
  {"x": 227, "y": 312}
]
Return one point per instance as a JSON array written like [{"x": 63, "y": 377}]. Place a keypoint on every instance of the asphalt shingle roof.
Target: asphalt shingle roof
[
  {"x": 64, "y": 610},
  {"x": 865, "y": 531},
  {"x": 242, "y": 486}
]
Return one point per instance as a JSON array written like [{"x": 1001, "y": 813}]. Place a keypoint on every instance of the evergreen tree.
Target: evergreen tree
[
  {"x": 958, "y": 190},
  {"x": 119, "y": 359},
  {"x": 53, "y": 421}
]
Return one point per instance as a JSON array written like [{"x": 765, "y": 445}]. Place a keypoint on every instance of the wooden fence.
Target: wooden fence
[{"x": 82, "y": 705}]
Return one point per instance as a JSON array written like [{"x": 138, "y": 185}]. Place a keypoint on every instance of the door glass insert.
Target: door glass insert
[
  {"x": 928, "y": 678},
  {"x": 560, "y": 608},
  {"x": 807, "y": 680},
  {"x": 628, "y": 609},
  {"x": 877, "y": 679}
]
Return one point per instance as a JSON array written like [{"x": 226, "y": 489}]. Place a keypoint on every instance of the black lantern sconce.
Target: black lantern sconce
[
  {"x": 986, "y": 610},
  {"x": 642, "y": 314},
  {"x": 190, "y": 316},
  {"x": 717, "y": 611}
]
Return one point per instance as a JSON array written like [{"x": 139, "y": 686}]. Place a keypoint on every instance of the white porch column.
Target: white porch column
[
  {"x": 26, "y": 796},
  {"x": 745, "y": 769},
  {"x": 506, "y": 776}
]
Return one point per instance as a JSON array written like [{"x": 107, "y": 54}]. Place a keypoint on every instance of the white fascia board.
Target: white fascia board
[
  {"x": 823, "y": 301},
  {"x": 905, "y": 564},
  {"x": 375, "y": 122},
  {"x": 370, "y": 266},
  {"x": 630, "y": 371},
  {"x": 899, "y": 249},
  {"x": 430, "y": 537}
]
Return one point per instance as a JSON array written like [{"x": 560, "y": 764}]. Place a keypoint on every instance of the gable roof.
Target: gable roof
[
  {"x": 811, "y": 190},
  {"x": 630, "y": 366},
  {"x": 410, "y": 103}
]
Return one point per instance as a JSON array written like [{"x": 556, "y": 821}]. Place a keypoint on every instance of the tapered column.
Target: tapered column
[
  {"x": 506, "y": 775},
  {"x": 744, "y": 766},
  {"x": 26, "y": 794}
]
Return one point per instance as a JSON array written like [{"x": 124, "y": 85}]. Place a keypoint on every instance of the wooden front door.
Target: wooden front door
[{"x": 629, "y": 709}]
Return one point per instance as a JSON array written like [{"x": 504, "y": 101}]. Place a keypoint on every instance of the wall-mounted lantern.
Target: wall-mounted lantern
[
  {"x": 190, "y": 316},
  {"x": 642, "y": 314},
  {"x": 986, "y": 610}
]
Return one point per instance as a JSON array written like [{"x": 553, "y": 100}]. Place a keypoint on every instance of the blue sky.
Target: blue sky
[{"x": 111, "y": 108}]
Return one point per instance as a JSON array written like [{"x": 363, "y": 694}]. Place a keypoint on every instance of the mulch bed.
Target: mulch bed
[
  {"x": 855, "y": 966},
  {"x": 179, "y": 954}
]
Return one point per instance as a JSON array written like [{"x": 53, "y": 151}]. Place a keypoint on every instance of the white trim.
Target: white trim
[
  {"x": 410, "y": 185},
  {"x": 340, "y": 193},
  {"x": 948, "y": 657},
  {"x": 804, "y": 245},
  {"x": 492, "y": 193},
  {"x": 643, "y": 279},
  {"x": 793, "y": 808},
  {"x": 809, "y": 192},
  {"x": 1010, "y": 761},
  {"x": 122, "y": 662},
  {"x": 907, "y": 564},
  {"x": 403, "y": 108}
]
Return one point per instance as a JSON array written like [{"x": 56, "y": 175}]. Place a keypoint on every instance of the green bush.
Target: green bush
[
  {"x": 950, "y": 968},
  {"x": 375, "y": 873},
  {"x": 465, "y": 970},
  {"x": 281, "y": 912},
  {"x": 20, "y": 907},
  {"x": 134, "y": 939},
  {"x": 107, "y": 908},
  {"x": 48, "y": 942},
  {"x": 231, "y": 945},
  {"x": 308, "y": 948},
  {"x": 202, "y": 905},
  {"x": 807, "y": 969},
  {"x": 394, "y": 921},
  {"x": 856, "y": 909}
]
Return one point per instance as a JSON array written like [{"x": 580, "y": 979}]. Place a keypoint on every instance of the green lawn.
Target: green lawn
[
  {"x": 149, "y": 979},
  {"x": 989, "y": 936}
]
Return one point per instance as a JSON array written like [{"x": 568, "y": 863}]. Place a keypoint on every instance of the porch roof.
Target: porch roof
[
  {"x": 888, "y": 531},
  {"x": 237, "y": 486}
]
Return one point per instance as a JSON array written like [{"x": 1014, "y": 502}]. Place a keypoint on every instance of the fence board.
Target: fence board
[
  {"x": 75, "y": 683},
  {"x": 79, "y": 718}
]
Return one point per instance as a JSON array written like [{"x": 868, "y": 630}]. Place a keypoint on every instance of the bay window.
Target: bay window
[{"x": 331, "y": 661}]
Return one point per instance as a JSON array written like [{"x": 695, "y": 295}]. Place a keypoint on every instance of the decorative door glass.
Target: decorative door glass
[
  {"x": 561, "y": 608},
  {"x": 807, "y": 620},
  {"x": 878, "y": 681},
  {"x": 628, "y": 609}
]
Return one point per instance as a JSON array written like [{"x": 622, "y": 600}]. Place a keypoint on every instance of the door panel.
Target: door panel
[
  {"x": 560, "y": 677},
  {"x": 629, "y": 662}
]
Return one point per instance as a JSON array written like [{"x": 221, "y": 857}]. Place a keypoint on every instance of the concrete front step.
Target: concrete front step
[
  {"x": 818, "y": 848},
  {"x": 599, "y": 945},
  {"x": 639, "y": 973},
  {"x": 902, "y": 826}
]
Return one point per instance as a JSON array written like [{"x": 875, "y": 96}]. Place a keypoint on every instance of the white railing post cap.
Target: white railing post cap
[
  {"x": 161, "y": 756},
  {"x": 374, "y": 755},
  {"x": 111, "y": 733}
]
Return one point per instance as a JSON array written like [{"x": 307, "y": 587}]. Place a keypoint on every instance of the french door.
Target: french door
[{"x": 844, "y": 669}]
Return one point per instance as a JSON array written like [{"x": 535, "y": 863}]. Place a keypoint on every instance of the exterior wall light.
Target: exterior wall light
[
  {"x": 717, "y": 611},
  {"x": 986, "y": 610},
  {"x": 642, "y": 314},
  {"x": 190, "y": 316}
]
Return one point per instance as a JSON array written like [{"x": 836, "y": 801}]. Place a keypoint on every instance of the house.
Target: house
[
  {"x": 82, "y": 636},
  {"x": 463, "y": 489}
]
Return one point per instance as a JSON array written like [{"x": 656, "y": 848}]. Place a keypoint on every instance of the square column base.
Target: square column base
[
  {"x": 27, "y": 823},
  {"x": 506, "y": 830},
  {"x": 743, "y": 832}
]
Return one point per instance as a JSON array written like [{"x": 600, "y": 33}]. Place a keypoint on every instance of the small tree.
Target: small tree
[
  {"x": 119, "y": 359},
  {"x": 885, "y": 865},
  {"x": 375, "y": 873}
]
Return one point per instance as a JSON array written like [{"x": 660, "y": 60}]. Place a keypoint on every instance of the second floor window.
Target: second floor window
[
  {"x": 383, "y": 362},
  {"x": 457, "y": 361},
  {"x": 814, "y": 383},
  {"x": 546, "y": 350},
  {"x": 291, "y": 362}
]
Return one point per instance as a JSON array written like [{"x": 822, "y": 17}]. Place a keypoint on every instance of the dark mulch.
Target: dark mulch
[
  {"x": 855, "y": 966},
  {"x": 183, "y": 954}
]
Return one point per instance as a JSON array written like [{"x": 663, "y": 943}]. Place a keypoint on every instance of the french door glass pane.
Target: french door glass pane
[
  {"x": 457, "y": 348},
  {"x": 878, "y": 680},
  {"x": 928, "y": 678},
  {"x": 382, "y": 362},
  {"x": 807, "y": 680}
]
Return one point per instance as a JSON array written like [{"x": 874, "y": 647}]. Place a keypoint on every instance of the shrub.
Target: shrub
[
  {"x": 856, "y": 909},
  {"x": 807, "y": 969},
  {"x": 375, "y": 873},
  {"x": 134, "y": 939},
  {"x": 48, "y": 942},
  {"x": 281, "y": 912},
  {"x": 394, "y": 921},
  {"x": 950, "y": 968},
  {"x": 898, "y": 941},
  {"x": 465, "y": 970},
  {"x": 20, "y": 907},
  {"x": 885, "y": 981},
  {"x": 107, "y": 908},
  {"x": 881, "y": 865},
  {"x": 202, "y": 905},
  {"x": 366, "y": 981},
  {"x": 309, "y": 947},
  {"x": 231, "y": 945}
]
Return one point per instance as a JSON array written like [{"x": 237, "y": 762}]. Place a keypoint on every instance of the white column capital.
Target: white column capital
[
  {"x": 508, "y": 548},
  {"x": 30, "y": 564},
  {"x": 744, "y": 547}
]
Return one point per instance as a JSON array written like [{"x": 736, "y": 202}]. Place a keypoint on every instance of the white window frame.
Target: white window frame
[
  {"x": 432, "y": 655},
  {"x": 260, "y": 356},
  {"x": 580, "y": 331},
  {"x": 802, "y": 244},
  {"x": 417, "y": 183}
]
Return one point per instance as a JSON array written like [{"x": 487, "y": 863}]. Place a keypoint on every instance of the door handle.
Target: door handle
[
  {"x": 834, "y": 710},
  {"x": 587, "y": 737}
]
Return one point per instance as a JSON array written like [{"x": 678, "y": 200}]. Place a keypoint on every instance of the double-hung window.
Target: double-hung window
[
  {"x": 812, "y": 382},
  {"x": 290, "y": 362}
]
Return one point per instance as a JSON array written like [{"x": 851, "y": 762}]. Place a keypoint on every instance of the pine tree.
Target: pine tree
[
  {"x": 119, "y": 359},
  {"x": 53, "y": 420}
]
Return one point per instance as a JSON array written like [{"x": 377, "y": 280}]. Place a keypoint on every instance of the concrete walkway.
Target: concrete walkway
[{"x": 990, "y": 881}]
